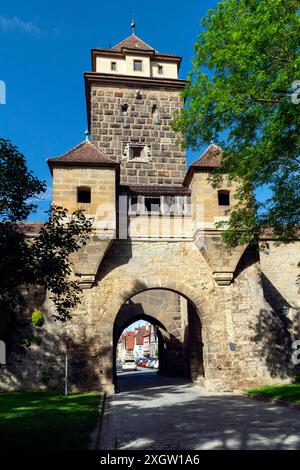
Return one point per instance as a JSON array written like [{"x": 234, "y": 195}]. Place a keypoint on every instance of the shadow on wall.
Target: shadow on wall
[
  {"x": 248, "y": 258},
  {"x": 274, "y": 333},
  {"x": 39, "y": 362},
  {"x": 272, "y": 295},
  {"x": 274, "y": 340},
  {"x": 114, "y": 258}
]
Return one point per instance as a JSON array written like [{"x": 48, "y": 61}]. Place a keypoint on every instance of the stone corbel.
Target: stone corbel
[
  {"x": 86, "y": 281},
  {"x": 221, "y": 259},
  {"x": 88, "y": 259},
  {"x": 223, "y": 278}
]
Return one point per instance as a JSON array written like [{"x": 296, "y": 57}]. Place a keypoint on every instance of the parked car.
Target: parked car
[
  {"x": 156, "y": 364},
  {"x": 149, "y": 359},
  {"x": 137, "y": 360},
  {"x": 152, "y": 363},
  {"x": 141, "y": 360},
  {"x": 145, "y": 362},
  {"x": 129, "y": 364}
]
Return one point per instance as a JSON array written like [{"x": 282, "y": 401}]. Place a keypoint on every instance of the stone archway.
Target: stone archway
[{"x": 179, "y": 325}]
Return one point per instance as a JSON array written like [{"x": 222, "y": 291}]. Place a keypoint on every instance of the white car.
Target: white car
[{"x": 129, "y": 364}]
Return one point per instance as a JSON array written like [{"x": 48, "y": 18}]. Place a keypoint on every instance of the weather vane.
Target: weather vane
[{"x": 132, "y": 23}]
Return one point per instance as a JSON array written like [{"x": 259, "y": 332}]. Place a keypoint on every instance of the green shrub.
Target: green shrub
[
  {"x": 296, "y": 378},
  {"x": 37, "y": 318},
  {"x": 26, "y": 343}
]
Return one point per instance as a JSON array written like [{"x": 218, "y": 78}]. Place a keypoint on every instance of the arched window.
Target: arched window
[
  {"x": 84, "y": 195},
  {"x": 223, "y": 197}
]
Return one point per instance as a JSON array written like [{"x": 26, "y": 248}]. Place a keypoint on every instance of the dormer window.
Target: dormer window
[
  {"x": 224, "y": 197},
  {"x": 137, "y": 65},
  {"x": 113, "y": 66},
  {"x": 84, "y": 195},
  {"x": 160, "y": 69}
]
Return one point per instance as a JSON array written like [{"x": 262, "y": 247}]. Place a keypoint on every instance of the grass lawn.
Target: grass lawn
[
  {"x": 46, "y": 420},
  {"x": 290, "y": 392}
]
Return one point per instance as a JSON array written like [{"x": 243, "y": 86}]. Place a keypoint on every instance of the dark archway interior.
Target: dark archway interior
[{"x": 179, "y": 333}]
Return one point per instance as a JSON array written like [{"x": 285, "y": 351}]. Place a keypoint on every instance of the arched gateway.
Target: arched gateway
[
  {"x": 178, "y": 326},
  {"x": 154, "y": 230}
]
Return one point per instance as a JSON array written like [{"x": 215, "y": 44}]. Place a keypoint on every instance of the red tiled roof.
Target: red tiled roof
[
  {"x": 132, "y": 42},
  {"x": 84, "y": 154},
  {"x": 209, "y": 159}
]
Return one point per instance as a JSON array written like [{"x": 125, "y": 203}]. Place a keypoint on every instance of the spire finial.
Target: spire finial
[
  {"x": 132, "y": 24},
  {"x": 86, "y": 134}
]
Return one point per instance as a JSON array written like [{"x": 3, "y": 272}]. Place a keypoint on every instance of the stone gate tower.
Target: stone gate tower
[
  {"x": 132, "y": 94},
  {"x": 155, "y": 251}
]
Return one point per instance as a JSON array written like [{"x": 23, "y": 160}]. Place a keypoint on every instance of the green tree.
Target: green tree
[
  {"x": 242, "y": 93},
  {"x": 44, "y": 260}
]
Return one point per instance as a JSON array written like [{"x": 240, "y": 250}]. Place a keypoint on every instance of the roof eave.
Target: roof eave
[
  {"x": 77, "y": 164},
  {"x": 194, "y": 169}
]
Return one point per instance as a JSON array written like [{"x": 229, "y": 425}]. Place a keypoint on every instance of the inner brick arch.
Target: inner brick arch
[{"x": 195, "y": 297}]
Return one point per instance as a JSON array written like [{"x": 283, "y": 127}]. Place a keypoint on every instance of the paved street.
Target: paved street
[{"x": 151, "y": 412}]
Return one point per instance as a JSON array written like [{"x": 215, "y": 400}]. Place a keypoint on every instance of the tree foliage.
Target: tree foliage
[
  {"x": 241, "y": 93},
  {"x": 40, "y": 261},
  {"x": 18, "y": 185}
]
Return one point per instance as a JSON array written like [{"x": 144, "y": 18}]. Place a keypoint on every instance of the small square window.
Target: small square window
[
  {"x": 113, "y": 66},
  {"x": 223, "y": 198},
  {"x": 160, "y": 69},
  {"x": 136, "y": 152},
  {"x": 84, "y": 195},
  {"x": 124, "y": 109},
  {"x": 137, "y": 65}
]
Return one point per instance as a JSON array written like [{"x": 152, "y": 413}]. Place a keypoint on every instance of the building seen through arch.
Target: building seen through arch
[{"x": 138, "y": 341}]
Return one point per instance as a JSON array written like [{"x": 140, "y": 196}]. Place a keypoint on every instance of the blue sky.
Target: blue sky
[
  {"x": 45, "y": 49},
  {"x": 136, "y": 324}
]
